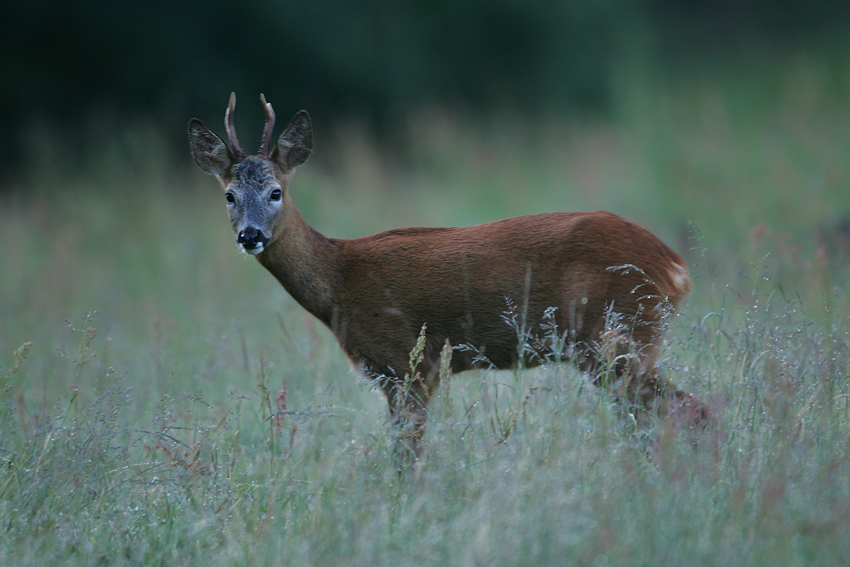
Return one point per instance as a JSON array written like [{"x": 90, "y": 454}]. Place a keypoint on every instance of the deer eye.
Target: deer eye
[
  {"x": 275, "y": 196},
  {"x": 229, "y": 197}
]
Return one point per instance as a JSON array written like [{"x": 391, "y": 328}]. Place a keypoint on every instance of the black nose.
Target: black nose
[{"x": 251, "y": 238}]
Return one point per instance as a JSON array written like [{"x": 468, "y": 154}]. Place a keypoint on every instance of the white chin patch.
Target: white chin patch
[{"x": 253, "y": 251}]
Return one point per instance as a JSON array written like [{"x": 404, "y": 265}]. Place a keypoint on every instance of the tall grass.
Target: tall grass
[{"x": 163, "y": 401}]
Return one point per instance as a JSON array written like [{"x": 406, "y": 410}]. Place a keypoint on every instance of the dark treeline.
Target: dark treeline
[{"x": 63, "y": 62}]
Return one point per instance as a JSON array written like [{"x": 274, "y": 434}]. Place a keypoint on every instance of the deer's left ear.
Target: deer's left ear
[
  {"x": 210, "y": 151},
  {"x": 296, "y": 143}
]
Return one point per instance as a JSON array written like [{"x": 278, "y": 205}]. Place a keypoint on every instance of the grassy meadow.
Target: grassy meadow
[{"x": 163, "y": 401}]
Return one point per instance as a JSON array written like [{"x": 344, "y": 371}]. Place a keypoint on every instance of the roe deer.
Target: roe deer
[{"x": 593, "y": 286}]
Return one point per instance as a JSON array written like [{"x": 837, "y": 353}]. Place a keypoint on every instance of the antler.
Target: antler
[
  {"x": 269, "y": 127},
  {"x": 231, "y": 130}
]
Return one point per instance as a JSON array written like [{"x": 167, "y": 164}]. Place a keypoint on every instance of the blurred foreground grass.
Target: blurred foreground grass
[{"x": 143, "y": 360}]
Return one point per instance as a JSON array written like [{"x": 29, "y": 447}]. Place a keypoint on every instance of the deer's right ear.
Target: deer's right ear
[{"x": 209, "y": 151}]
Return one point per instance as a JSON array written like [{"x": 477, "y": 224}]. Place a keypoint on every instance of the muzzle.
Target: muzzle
[{"x": 252, "y": 240}]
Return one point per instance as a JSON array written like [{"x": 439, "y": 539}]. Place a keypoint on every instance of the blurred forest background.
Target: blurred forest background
[{"x": 81, "y": 69}]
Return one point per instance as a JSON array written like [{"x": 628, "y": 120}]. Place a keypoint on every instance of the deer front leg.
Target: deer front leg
[{"x": 408, "y": 404}]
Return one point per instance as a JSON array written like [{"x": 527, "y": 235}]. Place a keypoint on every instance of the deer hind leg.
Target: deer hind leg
[
  {"x": 628, "y": 367},
  {"x": 649, "y": 389}
]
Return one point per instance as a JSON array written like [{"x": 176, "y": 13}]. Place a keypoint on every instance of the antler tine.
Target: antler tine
[
  {"x": 266, "y": 144},
  {"x": 231, "y": 130}
]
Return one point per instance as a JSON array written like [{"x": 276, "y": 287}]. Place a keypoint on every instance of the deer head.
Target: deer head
[{"x": 255, "y": 187}]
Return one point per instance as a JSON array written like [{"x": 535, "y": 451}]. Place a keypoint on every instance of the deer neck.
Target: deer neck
[{"x": 305, "y": 262}]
